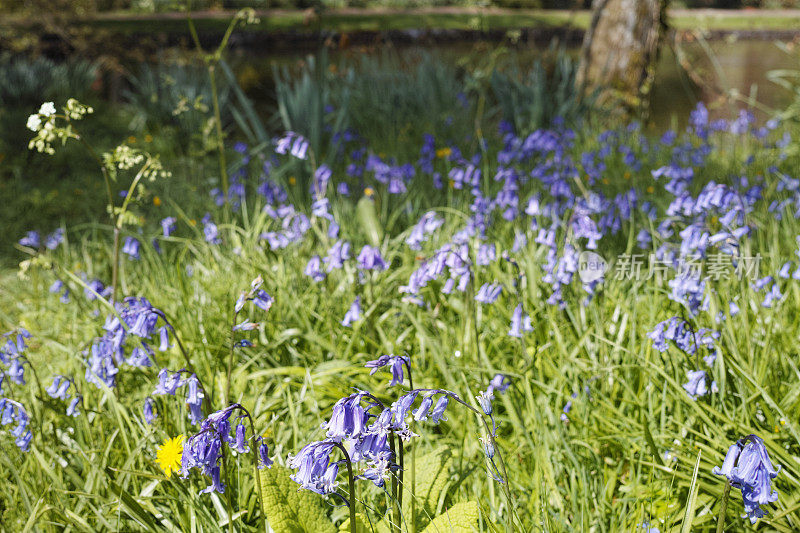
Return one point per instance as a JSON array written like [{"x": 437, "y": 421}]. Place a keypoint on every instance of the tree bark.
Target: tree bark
[{"x": 619, "y": 51}]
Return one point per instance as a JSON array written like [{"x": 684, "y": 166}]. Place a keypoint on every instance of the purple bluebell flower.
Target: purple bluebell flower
[
  {"x": 168, "y": 225},
  {"x": 337, "y": 255},
  {"x": 353, "y": 314},
  {"x": 148, "y": 410},
  {"x": 748, "y": 468},
  {"x": 370, "y": 259},
  {"x": 31, "y": 240},
  {"x": 52, "y": 241},
  {"x": 520, "y": 322},
  {"x": 131, "y": 248},
  {"x": 488, "y": 293},
  {"x": 210, "y": 230},
  {"x": 313, "y": 269}
]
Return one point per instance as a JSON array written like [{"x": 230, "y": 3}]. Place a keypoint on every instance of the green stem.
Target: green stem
[
  {"x": 397, "y": 509},
  {"x": 256, "y": 472},
  {"x": 352, "y": 483},
  {"x": 230, "y": 361},
  {"x": 724, "y": 508}
]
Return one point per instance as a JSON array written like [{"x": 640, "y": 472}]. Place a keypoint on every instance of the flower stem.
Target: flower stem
[
  {"x": 352, "y": 483},
  {"x": 724, "y": 507},
  {"x": 257, "y": 473}
]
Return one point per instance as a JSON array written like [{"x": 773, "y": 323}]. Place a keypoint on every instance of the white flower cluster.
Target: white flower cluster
[{"x": 43, "y": 123}]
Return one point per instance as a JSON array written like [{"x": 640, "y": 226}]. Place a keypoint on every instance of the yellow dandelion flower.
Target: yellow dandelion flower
[
  {"x": 627, "y": 175},
  {"x": 441, "y": 153},
  {"x": 131, "y": 140},
  {"x": 651, "y": 189},
  {"x": 292, "y": 180},
  {"x": 169, "y": 455},
  {"x": 369, "y": 191},
  {"x": 156, "y": 201}
]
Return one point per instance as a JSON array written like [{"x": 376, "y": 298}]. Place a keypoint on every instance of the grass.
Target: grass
[{"x": 609, "y": 467}]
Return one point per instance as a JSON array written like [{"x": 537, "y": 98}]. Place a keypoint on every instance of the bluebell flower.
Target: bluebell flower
[
  {"x": 697, "y": 386},
  {"x": 131, "y": 248},
  {"x": 73, "y": 409},
  {"x": 168, "y": 225},
  {"x": 499, "y": 383},
  {"x": 10, "y": 412},
  {"x": 53, "y": 240},
  {"x": 58, "y": 389},
  {"x": 337, "y": 255},
  {"x": 294, "y": 144},
  {"x": 395, "y": 363},
  {"x": 748, "y": 468},
  {"x": 485, "y": 401},
  {"x": 370, "y": 259},
  {"x": 31, "y": 239},
  {"x": 520, "y": 322},
  {"x": 210, "y": 230},
  {"x": 148, "y": 410},
  {"x": 313, "y": 269},
  {"x": 488, "y": 293},
  {"x": 353, "y": 314}
]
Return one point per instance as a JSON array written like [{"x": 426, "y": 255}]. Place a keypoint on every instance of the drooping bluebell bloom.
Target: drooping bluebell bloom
[
  {"x": 499, "y": 383},
  {"x": 748, "y": 468},
  {"x": 697, "y": 386},
  {"x": 292, "y": 143},
  {"x": 520, "y": 322},
  {"x": 370, "y": 259},
  {"x": 10, "y": 412},
  {"x": 488, "y": 293},
  {"x": 168, "y": 225},
  {"x": 194, "y": 399},
  {"x": 353, "y": 314},
  {"x": 31, "y": 239},
  {"x": 58, "y": 389},
  {"x": 148, "y": 410},
  {"x": 313, "y": 269},
  {"x": 210, "y": 230},
  {"x": 131, "y": 248},
  {"x": 395, "y": 363},
  {"x": 52, "y": 241},
  {"x": 337, "y": 255}
]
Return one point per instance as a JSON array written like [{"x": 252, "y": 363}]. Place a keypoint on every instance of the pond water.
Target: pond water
[{"x": 726, "y": 74}]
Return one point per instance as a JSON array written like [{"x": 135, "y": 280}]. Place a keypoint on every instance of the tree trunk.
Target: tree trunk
[{"x": 619, "y": 51}]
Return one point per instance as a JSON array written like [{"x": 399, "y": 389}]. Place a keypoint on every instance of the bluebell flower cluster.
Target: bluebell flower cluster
[
  {"x": 12, "y": 356},
  {"x": 60, "y": 390},
  {"x": 204, "y": 450},
  {"x": 134, "y": 325},
  {"x": 747, "y": 467}
]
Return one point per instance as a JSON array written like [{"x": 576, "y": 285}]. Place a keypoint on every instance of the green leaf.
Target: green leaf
[
  {"x": 131, "y": 506},
  {"x": 691, "y": 504},
  {"x": 362, "y": 524},
  {"x": 290, "y": 510},
  {"x": 460, "y": 518},
  {"x": 432, "y": 472}
]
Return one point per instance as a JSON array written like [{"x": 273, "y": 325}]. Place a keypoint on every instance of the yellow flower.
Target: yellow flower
[
  {"x": 131, "y": 140},
  {"x": 148, "y": 138},
  {"x": 627, "y": 175},
  {"x": 369, "y": 191},
  {"x": 605, "y": 181},
  {"x": 156, "y": 201},
  {"x": 443, "y": 152},
  {"x": 651, "y": 189},
  {"x": 169, "y": 455},
  {"x": 292, "y": 180}
]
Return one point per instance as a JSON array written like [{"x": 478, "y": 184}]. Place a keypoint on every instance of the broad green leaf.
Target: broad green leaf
[
  {"x": 432, "y": 471},
  {"x": 460, "y": 518},
  {"x": 290, "y": 510},
  {"x": 362, "y": 524}
]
